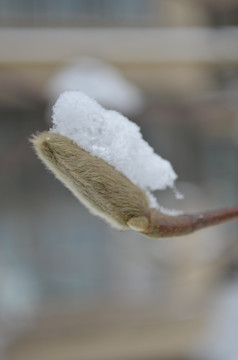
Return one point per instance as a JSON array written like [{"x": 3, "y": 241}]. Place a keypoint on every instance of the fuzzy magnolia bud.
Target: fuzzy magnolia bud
[
  {"x": 111, "y": 195},
  {"x": 99, "y": 186}
]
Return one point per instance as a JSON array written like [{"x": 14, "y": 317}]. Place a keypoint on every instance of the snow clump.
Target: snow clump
[{"x": 112, "y": 137}]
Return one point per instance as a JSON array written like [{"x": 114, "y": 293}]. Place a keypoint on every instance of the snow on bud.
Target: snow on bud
[{"x": 102, "y": 158}]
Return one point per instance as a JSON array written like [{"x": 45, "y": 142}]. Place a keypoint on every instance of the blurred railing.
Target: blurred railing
[{"x": 193, "y": 45}]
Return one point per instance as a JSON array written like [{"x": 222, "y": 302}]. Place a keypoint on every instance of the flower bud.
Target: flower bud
[{"x": 99, "y": 186}]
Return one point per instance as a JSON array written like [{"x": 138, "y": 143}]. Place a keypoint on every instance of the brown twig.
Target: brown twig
[{"x": 161, "y": 225}]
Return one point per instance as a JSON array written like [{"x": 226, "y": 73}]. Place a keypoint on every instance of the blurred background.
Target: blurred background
[{"x": 70, "y": 286}]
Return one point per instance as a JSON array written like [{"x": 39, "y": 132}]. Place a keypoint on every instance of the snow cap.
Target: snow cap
[{"x": 112, "y": 137}]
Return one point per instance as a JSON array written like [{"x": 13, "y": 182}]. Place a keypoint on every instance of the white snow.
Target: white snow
[{"x": 112, "y": 137}]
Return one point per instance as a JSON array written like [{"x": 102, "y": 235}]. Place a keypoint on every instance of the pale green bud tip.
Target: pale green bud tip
[{"x": 99, "y": 186}]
